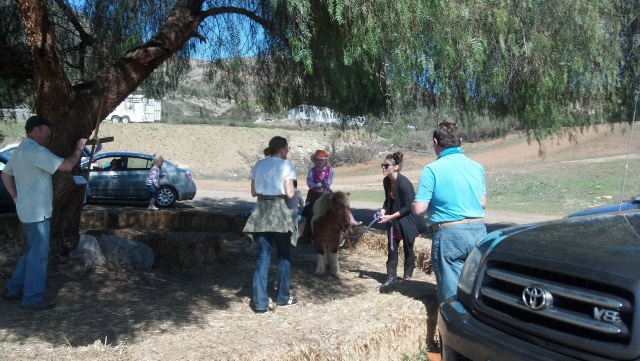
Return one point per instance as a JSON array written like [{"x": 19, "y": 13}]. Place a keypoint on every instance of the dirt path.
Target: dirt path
[
  {"x": 597, "y": 144},
  {"x": 173, "y": 313},
  {"x": 225, "y": 196}
]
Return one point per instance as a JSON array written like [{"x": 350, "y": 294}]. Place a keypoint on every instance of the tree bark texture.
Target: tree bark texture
[{"x": 77, "y": 109}]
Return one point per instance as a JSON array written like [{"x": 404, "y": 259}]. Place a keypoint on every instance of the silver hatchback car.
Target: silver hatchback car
[{"x": 122, "y": 175}]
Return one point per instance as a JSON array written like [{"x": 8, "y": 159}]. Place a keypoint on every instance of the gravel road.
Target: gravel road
[{"x": 241, "y": 201}]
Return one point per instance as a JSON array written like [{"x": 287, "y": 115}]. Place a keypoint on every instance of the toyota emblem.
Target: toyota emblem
[{"x": 537, "y": 298}]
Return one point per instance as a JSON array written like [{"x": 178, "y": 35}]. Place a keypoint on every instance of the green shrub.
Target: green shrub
[
  {"x": 11, "y": 131},
  {"x": 352, "y": 154}
]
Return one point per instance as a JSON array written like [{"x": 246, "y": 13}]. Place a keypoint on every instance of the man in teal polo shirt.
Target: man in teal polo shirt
[
  {"x": 27, "y": 177},
  {"x": 453, "y": 193}
]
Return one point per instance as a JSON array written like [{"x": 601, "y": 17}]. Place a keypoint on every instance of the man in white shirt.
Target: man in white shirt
[{"x": 27, "y": 177}]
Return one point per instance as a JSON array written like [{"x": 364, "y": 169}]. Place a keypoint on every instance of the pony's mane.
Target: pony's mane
[{"x": 324, "y": 203}]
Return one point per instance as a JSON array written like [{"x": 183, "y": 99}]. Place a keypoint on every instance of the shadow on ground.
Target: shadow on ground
[{"x": 118, "y": 305}]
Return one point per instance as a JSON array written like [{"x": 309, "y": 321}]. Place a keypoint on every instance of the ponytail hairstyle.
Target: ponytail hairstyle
[
  {"x": 397, "y": 159},
  {"x": 275, "y": 144}
]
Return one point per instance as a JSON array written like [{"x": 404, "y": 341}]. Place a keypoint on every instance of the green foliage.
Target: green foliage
[
  {"x": 13, "y": 91},
  {"x": 414, "y": 130},
  {"x": 546, "y": 64},
  {"x": 630, "y": 48},
  {"x": 12, "y": 131},
  {"x": 539, "y": 65},
  {"x": 348, "y": 56},
  {"x": 123, "y": 25}
]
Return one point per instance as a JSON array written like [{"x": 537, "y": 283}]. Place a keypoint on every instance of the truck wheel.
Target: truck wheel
[
  {"x": 115, "y": 119},
  {"x": 125, "y": 119},
  {"x": 167, "y": 196}
]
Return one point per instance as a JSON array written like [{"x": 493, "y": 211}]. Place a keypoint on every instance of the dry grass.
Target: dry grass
[
  {"x": 202, "y": 312},
  {"x": 376, "y": 242}
]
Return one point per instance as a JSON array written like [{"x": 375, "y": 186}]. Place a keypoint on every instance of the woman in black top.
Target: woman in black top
[{"x": 402, "y": 224}]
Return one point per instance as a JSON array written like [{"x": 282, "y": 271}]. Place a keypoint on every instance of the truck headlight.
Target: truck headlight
[{"x": 469, "y": 271}]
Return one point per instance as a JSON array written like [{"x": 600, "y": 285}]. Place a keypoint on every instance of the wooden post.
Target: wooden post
[{"x": 94, "y": 143}]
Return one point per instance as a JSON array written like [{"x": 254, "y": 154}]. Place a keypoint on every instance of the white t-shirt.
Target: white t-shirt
[
  {"x": 269, "y": 175},
  {"x": 32, "y": 166}
]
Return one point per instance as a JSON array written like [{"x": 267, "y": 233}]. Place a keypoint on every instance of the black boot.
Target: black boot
[
  {"x": 391, "y": 275},
  {"x": 408, "y": 272}
]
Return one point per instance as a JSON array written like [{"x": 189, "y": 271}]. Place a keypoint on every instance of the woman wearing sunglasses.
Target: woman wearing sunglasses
[{"x": 402, "y": 225}]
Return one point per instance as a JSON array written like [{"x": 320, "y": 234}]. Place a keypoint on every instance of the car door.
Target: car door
[
  {"x": 136, "y": 170},
  {"x": 105, "y": 182},
  {"x": 6, "y": 202}
]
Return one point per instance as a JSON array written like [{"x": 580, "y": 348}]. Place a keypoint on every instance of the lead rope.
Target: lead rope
[
  {"x": 626, "y": 167},
  {"x": 376, "y": 217}
]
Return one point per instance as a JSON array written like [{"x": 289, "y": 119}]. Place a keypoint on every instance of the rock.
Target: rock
[
  {"x": 126, "y": 251},
  {"x": 88, "y": 251}
]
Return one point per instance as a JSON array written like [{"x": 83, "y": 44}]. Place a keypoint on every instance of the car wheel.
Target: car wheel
[
  {"x": 166, "y": 197},
  {"x": 115, "y": 119},
  {"x": 125, "y": 119}
]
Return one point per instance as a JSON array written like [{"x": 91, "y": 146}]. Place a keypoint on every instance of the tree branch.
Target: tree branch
[
  {"x": 86, "y": 38},
  {"x": 266, "y": 24},
  {"x": 118, "y": 80}
]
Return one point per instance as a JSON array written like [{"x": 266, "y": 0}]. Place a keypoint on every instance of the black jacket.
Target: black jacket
[{"x": 411, "y": 225}]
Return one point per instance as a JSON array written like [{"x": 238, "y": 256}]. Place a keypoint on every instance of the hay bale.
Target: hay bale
[
  {"x": 184, "y": 249},
  {"x": 422, "y": 249},
  {"x": 181, "y": 237},
  {"x": 372, "y": 240},
  {"x": 377, "y": 242},
  {"x": 172, "y": 219},
  {"x": 344, "y": 319},
  {"x": 196, "y": 249},
  {"x": 354, "y": 328}
]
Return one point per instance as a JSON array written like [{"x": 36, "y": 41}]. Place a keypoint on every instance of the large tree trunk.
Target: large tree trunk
[
  {"x": 78, "y": 109},
  {"x": 68, "y": 197}
]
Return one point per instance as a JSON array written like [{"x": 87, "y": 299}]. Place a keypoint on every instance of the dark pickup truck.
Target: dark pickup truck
[{"x": 560, "y": 290}]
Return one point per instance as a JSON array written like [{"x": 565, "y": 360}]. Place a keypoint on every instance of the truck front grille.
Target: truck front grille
[{"x": 583, "y": 314}]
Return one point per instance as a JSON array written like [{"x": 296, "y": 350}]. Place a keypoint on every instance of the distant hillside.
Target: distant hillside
[
  {"x": 194, "y": 101},
  {"x": 200, "y": 99}
]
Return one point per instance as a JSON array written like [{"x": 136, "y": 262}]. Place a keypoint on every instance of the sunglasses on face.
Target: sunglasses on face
[{"x": 386, "y": 165}]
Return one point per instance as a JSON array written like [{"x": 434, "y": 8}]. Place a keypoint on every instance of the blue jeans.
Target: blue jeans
[
  {"x": 283, "y": 244},
  {"x": 451, "y": 246},
  {"x": 153, "y": 191},
  {"x": 30, "y": 275}
]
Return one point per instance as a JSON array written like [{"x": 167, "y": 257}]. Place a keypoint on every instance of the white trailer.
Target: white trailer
[{"x": 137, "y": 109}]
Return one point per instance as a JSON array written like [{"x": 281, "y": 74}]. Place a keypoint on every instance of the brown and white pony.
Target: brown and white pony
[{"x": 330, "y": 218}]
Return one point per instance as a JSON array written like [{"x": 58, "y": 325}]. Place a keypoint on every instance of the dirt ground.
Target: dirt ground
[{"x": 203, "y": 313}]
